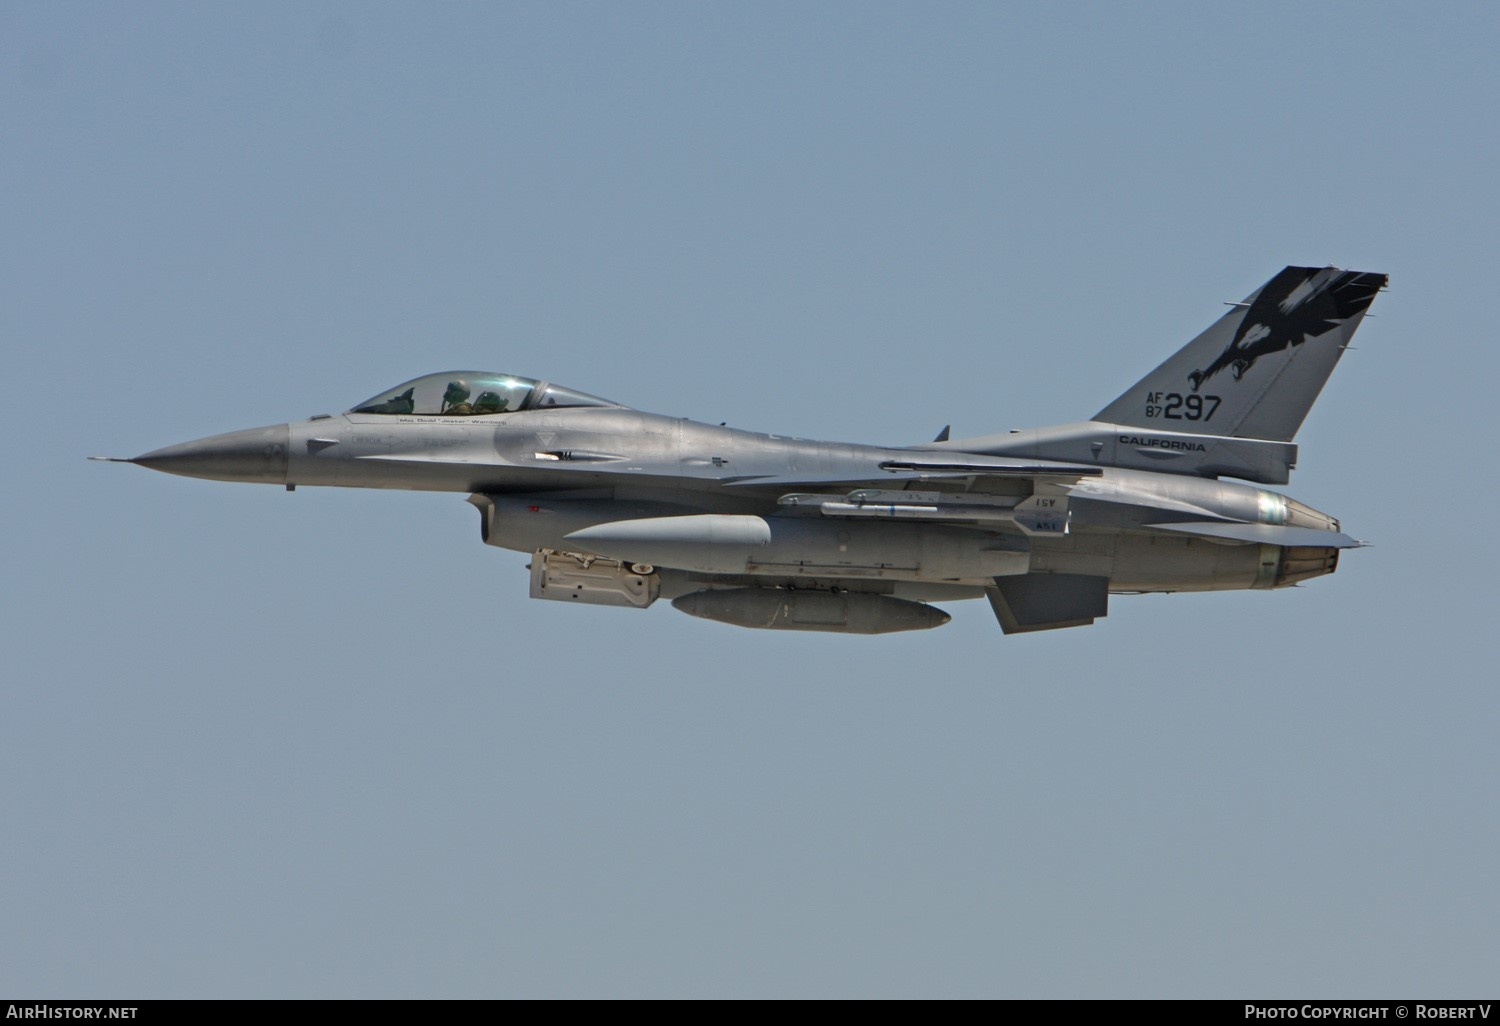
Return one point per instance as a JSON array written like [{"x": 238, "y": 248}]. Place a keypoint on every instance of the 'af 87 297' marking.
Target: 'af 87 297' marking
[{"x": 1175, "y": 406}]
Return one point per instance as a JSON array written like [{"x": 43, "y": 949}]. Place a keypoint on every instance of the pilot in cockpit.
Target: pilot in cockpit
[
  {"x": 456, "y": 399},
  {"x": 490, "y": 402},
  {"x": 448, "y": 394}
]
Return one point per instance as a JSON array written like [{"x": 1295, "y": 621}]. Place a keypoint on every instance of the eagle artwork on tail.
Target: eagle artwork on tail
[{"x": 1298, "y": 304}]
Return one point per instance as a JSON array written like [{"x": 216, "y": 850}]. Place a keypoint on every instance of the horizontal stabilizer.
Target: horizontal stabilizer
[
  {"x": 1263, "y": 534},
  {"x": 1117, "y": 445}
]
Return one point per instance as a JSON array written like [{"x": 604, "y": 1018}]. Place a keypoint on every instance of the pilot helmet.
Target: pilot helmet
[{"x": 490, "y": 402}]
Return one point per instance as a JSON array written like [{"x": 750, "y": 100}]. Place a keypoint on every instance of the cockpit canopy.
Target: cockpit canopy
[{"x": 473, "y": 394}]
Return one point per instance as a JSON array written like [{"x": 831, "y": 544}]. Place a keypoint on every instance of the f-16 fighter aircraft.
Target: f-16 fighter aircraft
[{"x": 621, "y": 508}]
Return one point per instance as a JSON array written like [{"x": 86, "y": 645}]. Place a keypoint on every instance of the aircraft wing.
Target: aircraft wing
[{"x": 902, "y": 471}]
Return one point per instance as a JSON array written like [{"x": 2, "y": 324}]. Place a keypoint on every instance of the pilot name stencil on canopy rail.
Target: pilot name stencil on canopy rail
[{"x": 620, "y": 507}]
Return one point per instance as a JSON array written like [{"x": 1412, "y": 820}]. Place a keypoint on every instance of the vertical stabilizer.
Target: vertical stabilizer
[{"x": 1257, "y": 371}]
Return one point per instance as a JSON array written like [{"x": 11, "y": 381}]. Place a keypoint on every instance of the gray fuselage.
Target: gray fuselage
[{"x": 539, "y": 476}]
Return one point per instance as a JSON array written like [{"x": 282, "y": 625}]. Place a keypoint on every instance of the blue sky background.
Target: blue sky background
[{"x": 259, "y": 744}]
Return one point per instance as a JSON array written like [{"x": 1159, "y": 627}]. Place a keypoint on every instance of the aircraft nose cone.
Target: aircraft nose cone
[{"x": 258, "y": 454}]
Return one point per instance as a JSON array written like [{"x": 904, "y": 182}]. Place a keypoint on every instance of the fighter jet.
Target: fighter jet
[{"x": 619, "y": 507}]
